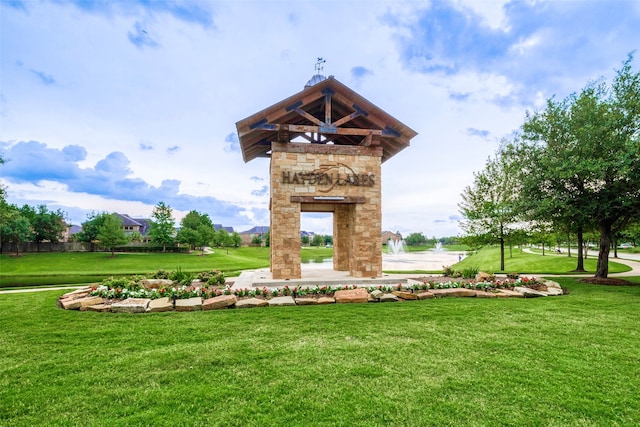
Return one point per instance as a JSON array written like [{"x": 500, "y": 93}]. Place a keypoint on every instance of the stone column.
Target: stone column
[
  {"x": 341, "y": 237},
  {"x": 285, "y": 240}
]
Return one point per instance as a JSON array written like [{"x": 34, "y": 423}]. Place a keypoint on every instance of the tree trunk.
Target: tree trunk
[
  {"x": 580, "y": 267},
  {"x": 542, "y": 248},
  {"x": 602, "y": 271},
  {"x": 569, "y": 244},
  {"x": 615, "y": 247},
  {"x": 510, "y": 250},
  {"x": 501, "y": 249}
]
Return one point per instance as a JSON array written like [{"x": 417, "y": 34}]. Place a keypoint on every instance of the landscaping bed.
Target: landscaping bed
[{"x": 141, "y": 295}]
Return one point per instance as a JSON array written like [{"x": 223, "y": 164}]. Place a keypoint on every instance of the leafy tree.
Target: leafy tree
[
  {"x": 415, "y": 239},
  {"x": 91, "y": 227},
  {"x": 196, "y": 230},
  {"x": 489, "y": 205},
  {"x": 256, "y": 240},
  {"x": 135, "y": 236},
  {"x": 584, "y": 150},
  {"x": 236, "y": 239},
  {"x": 267, "y": 238},
  {"x": 304, "y": 240},
  {"x": 328, "y": 239},
  {"x": 317, "y": 240},
  {"x": 111, "y": 233},
  {"x": 15, "y": 227},
  {"x": 162, "y": 226},
  {"x": 47, "y": 225}
]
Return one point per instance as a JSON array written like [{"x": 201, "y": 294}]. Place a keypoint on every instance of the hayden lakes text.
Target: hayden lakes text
[{"x": 324, "y": 179}]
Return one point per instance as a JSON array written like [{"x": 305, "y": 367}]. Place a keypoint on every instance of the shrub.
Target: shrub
[
  {"x": 182, "y": 277},
  {"x": 447, "y": 271},
  {"x": 211, "y": 277},
  {"x": 469, "y": 272},
  {"x": 160, "y": 274}
]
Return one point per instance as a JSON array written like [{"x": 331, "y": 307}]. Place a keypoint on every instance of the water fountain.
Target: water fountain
[
  {"x": 438, "y": 247},
  {"x": 395, "y": 247}
]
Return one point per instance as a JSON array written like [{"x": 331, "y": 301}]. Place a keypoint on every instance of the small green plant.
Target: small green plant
[
  {"x": 181, "y": 277},
  {"x": 447, "y": 271},
  {"x": 469, "y": 272},
  {"x": 160, "y": 274},
  {"x": 211, "y": 277}
]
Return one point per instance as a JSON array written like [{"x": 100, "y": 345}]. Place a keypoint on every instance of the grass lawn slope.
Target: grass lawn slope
[
  {"x": 563, "y": 361},
  {"x": 47, "y": 268},
  {"x": 488, "y": 259}
]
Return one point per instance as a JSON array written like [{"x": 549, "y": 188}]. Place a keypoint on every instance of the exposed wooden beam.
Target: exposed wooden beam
[
  {"x": 327, "y": 107},
  {"x": 346, "y": 119},
  {"x": 308, "y": 116}
]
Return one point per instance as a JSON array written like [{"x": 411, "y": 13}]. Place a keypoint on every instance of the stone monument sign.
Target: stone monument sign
[{"x": 326, "y": 145}]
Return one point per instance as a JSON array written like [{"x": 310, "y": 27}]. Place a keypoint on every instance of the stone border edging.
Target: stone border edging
[{"x": 81, "y": 299}]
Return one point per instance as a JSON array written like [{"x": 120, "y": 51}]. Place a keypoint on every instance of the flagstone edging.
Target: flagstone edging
[{"x": 81, "y": 299}]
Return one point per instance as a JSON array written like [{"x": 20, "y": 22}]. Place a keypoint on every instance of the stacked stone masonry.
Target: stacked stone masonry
[{"x": 342, "y": 180}]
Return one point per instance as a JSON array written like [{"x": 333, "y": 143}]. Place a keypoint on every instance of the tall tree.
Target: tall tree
[
  {"x": 111, "y": 233},
  {"x": 47, "y": 225},
  {"x": 162, "y": 227},
  {"x": 488, "y": 206},
  {"x": 584, "y": 150},
  {"x": 196, "y": 230},
  {"x": 15, "y": 227},
  {"x": 91, "y": 227}
]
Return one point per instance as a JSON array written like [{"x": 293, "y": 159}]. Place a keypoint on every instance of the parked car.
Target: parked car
[{"x": 625, "y": 246}]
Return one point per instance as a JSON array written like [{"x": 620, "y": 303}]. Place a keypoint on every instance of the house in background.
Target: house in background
[
  {"x": 248, "y": 235},
  {"x": 229, "y": 230},
  {"x": 388, "y": 235},
  {"x": 139, "y": 225}
]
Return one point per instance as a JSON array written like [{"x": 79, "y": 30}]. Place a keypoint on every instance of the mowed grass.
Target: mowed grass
[
  {"x": 488, "y": 259},
  {"x": 561, "y": 361},
  {"x": 50, "y": 268}
]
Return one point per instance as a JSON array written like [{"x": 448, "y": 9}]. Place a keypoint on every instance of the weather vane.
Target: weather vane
[{"x": 319, "y": 66}]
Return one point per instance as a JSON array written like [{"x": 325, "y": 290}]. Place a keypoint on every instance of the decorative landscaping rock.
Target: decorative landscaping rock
[
  {"x": 219, "y": 302},
  {"x": 454, "y": 292},
  {"x": 281, "y": 301},
  {"x": 131, "y": 305},
  {"x": 306, "y": 301},
  {"x": 508, "y": 293},
  {"x": 251, "y": 303},
  {"x": 405, "y": 295},
  {"x": 77, "y": 303},
  {"x": 483, "y": 294},
  {"x": 78, "y": 293},
  {"x": 156, "y": 283},
  {"x": 484, "y": 277},
  {"x": 553, "y": 288},
  {"x": 376, "y": 293},
  {"x": 189, "y": 304},
  {"x": 529, "y": 293},
  {"x": 389, "y": 298},
  {"x": 552, "y": 291},
  {"x": 160, "y": 304},
  {"x": 350, "y": 296},
  {"x": 102, "y": 308},
  {"x": 326, "y": 300},
  {"x": 426, "y": 295}
]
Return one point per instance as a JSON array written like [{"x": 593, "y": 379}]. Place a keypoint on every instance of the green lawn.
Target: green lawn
[
  {"x": 50, "y": 268},
  {"x": 561, "y": 361},
  {"x": 488, "y": 259}
]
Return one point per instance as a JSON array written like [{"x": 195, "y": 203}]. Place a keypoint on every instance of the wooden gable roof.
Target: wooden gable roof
[{"x": 327, "y": 112}]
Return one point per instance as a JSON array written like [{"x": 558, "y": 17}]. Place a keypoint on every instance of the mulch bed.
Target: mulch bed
[{"x": 607, "y": 281}]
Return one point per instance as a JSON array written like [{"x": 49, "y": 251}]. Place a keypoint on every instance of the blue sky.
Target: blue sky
[{"x": 118, "y": 105}]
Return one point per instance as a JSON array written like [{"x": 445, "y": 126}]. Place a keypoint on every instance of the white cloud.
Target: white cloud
[{"x": 168, "y": 100}]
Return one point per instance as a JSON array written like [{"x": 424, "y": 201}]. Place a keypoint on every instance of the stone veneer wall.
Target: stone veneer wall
[{"x": 357, "y": 223}]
